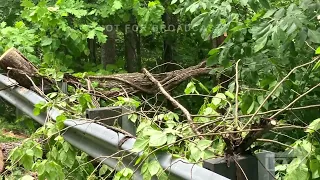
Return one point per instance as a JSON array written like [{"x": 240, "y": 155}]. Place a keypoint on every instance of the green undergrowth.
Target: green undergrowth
[{"x": 17, "y": 129}]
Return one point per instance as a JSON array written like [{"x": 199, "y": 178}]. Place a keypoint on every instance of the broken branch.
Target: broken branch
[{"x": 173, "y": 101}]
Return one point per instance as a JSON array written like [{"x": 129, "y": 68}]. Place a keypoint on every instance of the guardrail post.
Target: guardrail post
[
  {"x": 112, "y": 115},
  {"x": 260, "y": 167}
]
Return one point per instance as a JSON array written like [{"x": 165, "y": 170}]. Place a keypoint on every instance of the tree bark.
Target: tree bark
[
  {"x": 13, "y": 62},
  {"x": 131, "y": 48},
  {"x": 138, "y": 43},
  {"x": 169, "y": 40},
  {"x": 108, "y": 49},
  {"x": 92, "y": 50},
  {"x": 128, "y": 83}
]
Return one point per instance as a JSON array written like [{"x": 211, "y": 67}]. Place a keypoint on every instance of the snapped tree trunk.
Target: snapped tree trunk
[
  {"x": 18, "y": 67},
  {"x": 108, "y": 49}
]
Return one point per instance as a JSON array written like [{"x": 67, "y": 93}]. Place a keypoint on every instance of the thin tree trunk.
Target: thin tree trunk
[
  {"x": 131, "y": 48},
  {"x": 139, "y": 65},
  {"x": 108, "y": 49},
  {"x": 92, "y": 50},
  {"x": 169, "y": 40}
]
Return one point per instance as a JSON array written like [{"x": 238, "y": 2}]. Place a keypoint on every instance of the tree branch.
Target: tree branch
[{"x": 173, "y": 101}]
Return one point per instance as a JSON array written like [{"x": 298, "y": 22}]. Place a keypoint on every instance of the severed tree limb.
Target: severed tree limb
[
  {"x": 174, "y": 102},
  {"x": 16, "y": 61},
  {"x": 138, "y": 81},
  {"x": 18, "y": 66}
]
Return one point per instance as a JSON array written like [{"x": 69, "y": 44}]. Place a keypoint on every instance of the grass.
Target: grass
[
  {"x": 15, "y": 130},
  {"x": 4, "y": 138}
]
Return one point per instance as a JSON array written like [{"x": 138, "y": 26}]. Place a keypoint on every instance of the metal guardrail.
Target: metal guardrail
[{"x": 97, "y": 140}]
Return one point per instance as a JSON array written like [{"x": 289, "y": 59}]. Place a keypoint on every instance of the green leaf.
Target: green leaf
[
  {"x": 158, "y": 139},
  {"x": 219, "y": 97},
  {"x": 27, "y": 3},
  {"x": 30, "y": 152},
  {"x": 251, "y": 107},
  {"x": 314, "y": 126},
  {"x": 316, "y": 66},
  {"x": 244, "y": 2},
  {"x": 212, "y": 60},
  {"x": 315, "y": 168},
  {"x": 280, "y": 13},
  {"x": 314, "y": 36},
  {"x": 36, "y": 111},
  {"x": 142, "y": 125},
  {"x": 140, "y": 144},
  {"x": 318, "y": 50},
  {"x": 203, "y": 87},
  {"x": 171, "y": 139},
  {"x": 216, "y": 101},
  {"x": 173, "y": 1},
  {"x": 260, "y": 43},
  {"x": 27, "y": 177},
  {"x": 297, "y": 170},
  {"x": 229, "y": 94},
  {"x": 71, "y": 157},
  {"x": 133, "y": 117},
  {"x": 91, "y": 34},
  {"x": 103, "y": 170},
  {"x": 191, "y": 88},
  {"x": 204, "y": 144},
  {"x": 216, "y": 88},
  {"x": 3, "y": 24},
  {"x": 27, "y": 162},
  {"x": 116, "y": 5},
  {"x": 265, "y": 4},
  {"x": 214, "y": 51},
  {"x": 154, "y": 167},
  {"x": 269, "y": 13},
  {"x": 19, "y": 24},
  {"x": 41, "y": 167},
  {"x": 60, "y": 122},
  {"x": 46, "y": 41},
  {"x": 198, "y": 20},
  {"x": 193, "y": 7},
  {"x": 196, "y": 153},
  {"x": 208, "y": 154},
  {"x": 38, "y": 151},
  {"x": 208, "y": 111}
]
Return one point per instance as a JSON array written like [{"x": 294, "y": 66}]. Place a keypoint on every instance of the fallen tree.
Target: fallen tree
[{"x": 18, "y": 67}]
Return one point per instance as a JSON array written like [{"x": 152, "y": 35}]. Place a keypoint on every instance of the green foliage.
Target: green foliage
[{"x": 270, "y": 38}]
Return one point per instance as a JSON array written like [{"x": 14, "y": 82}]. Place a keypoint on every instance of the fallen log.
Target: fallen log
[
  {"x": 13, "y": 62},
  {"x": 18, "y": 67},
  {"x": 140, "y": 82}
]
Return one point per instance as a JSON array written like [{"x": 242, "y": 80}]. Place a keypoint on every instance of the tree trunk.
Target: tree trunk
[
  {"x": 108, "y": 49},
  {"x": 18, "y": 67},
  {"x": 128, "y": 83},
  {"x": 169, "y": 40},
  {"x": 92, "y": 50},
  {"x": 138, "y": 43},
  {"x": 216, "y": 42},
  {"x": 131, "y": 48}
]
